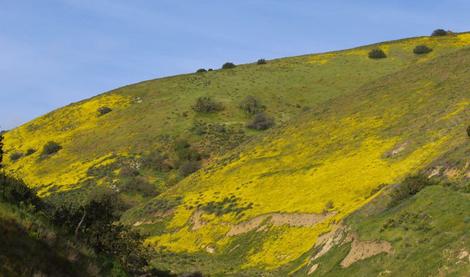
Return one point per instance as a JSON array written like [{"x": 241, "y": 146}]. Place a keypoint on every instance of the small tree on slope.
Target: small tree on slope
[{"x": 1, "y": 150}]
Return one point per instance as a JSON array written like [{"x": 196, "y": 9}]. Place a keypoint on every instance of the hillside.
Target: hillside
[
  {"x": 154, "y": 115},
  {"x": 284, "y": 190},
  {"x": 318, "y": 193}
]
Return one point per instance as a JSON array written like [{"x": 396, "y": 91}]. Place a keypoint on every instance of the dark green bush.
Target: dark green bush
[
  {"x": 228, "y": 65},
  {"x": 201, "y": 70},
  {"x": 30, "y": 151},
  {"x": 251, "y": 105},
  {"x": 189, "y": 167},
  {"x": 377, "y": 54},
  {"x": 439, "y": 33},
  {"x": 421, "y": 49},
  {"x": 261, "y": 122},
  {"x": 468, "y": 131},
  {"x": 15, "y": 156},
  {"x": 261, "y": 61},
  {"x": 1, "y": 150},
  {"x": 207, "y": 105},
  {"x": 50, "y": 148},
  {"x": 15, "y": 192},
  {"x": 210, "y": 69},
  {"x": 409, "y": 187},
  {"x": 104, "y": 110}
]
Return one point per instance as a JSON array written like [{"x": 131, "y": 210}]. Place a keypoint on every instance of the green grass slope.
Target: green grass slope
[
  {"x": 152, "y": 115},
  {"x": 267, "y": 203}
]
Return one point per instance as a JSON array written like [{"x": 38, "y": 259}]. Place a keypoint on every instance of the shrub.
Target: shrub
[
  {"x": 468, "y": 131},
  {"x": 139, "y": 185},
  {"x": 157, "y": 161},
  {"x": 261, "y": 122},
  {"x": 50, "y": 148},
  {"x": 439, "y": 33},
  {"x": 1, "y": 150},
  {"x": 201, "y": 70},
  {"x": 261, "y": 61},
  {"x": 251, "y": 105},
  {"x": 185, "y": 152},
  {"x": 103, "y": 110},
  {"x": 210, "y": 69},
  {"x": 421, "y": 49},
  {"x": 377, "y": 54},
  {"x": 409, "y": 187},
  {"x": 15, "y": 192},
  {"x": 228, "y": 65},
  {"x": 207, "y": 105},
  {"x": 128, "y": 171},
  {"x": 16, "y": 156},
  {"x": 30, "y": 151},
  {"x": 189, "y": 167}
]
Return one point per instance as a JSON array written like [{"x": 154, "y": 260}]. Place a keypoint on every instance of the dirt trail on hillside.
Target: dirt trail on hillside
[
  {"x": 278, "y": 219},
  {"x": 361, "y": 250}
]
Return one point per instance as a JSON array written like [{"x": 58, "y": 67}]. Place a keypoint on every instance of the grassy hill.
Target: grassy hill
[
  {"x": 284, "y": 190},
  {"x": 348, "y": 129},
  {"x": 152, "y": 115}
]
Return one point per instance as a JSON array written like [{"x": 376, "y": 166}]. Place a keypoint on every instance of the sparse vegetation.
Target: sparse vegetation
[
  {"x": 439, "y": 33},
  {"x": 207, "y": 105},
  {"x": 228, "y": 65},
  {"x": 104, "y": 110},
  {"x": 251, "y": 105},
  {"x": 377, "y": 54},
  {"x": 51, "y": 148},
  {"x": 140, "y": 185},
  {"x": 421, "y": 49},
  {"x": 261, "y": 121},
  {"x": 227, "y": 205}
]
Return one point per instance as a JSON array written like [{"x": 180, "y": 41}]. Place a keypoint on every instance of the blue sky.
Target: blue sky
[{"x": 54, "y": 52}]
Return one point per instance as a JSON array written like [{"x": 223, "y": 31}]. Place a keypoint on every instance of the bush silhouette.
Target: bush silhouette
[
  {"x": 201, "y": 70},
  {"x": 30, "y": 151},
  {"x": 50, "y": 148},
  {"x": 207, "y": 105},
  {"x": 261, "y": 61},
  {"x": 1, "y": 150},
  {"x": 439, "y": 33},
  {"x": 468, "y": 131},
  {"x": 421, "y": 49},
  {"x": 261, "y": 122},
  {"x": 251, "y": 105},
  {"x": 16, "y": 156},
  {"x": 103, "y": 110},
  {"x": 228, "y": 65},
  {"x": 377, "y": 54}
]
